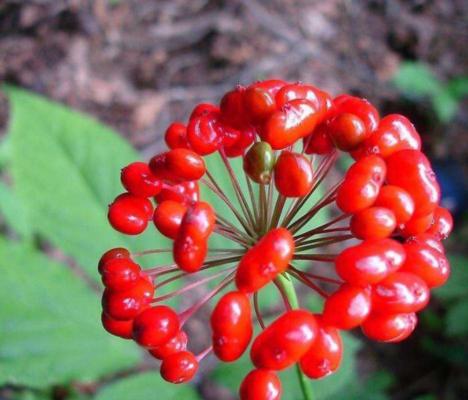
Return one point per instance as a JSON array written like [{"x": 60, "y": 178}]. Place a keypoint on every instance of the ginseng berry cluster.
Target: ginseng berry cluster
[{"x": 389, "y": 226}]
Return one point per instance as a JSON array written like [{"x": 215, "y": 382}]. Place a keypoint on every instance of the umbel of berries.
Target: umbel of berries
[{"x": 387, "y": 224}]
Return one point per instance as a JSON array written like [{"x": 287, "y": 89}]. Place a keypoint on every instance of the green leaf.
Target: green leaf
[
  {"x": 456, "y": 320},
  {"x": 12, "y": 209},
  {"x": 230, "y": 375},
  {"x": 457, "y": 284},
  {"x": 416, "y": 79},
  {"x": 146, "y": 386},
  {"x": 66, "y": 169},
  {"x": 458, "y": 87},
  {"x": 445, "y": 105},
  {"x": 51, "y": 331}
]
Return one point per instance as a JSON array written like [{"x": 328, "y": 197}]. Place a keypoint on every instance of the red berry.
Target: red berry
[
  {"x": 259, "y": 103},
  {"x": 189, "y": 255},
  {"x": 442, "y": 224},
  {"x": 155, "y": 326},
  {"x": 204, "y": 109},
  {"x": 390, "y": 328},
  {"x": 126, "y": 305},
  {"x": 185, "y": 192},
  {"x": 176, "y": 136},
  {"x": 361, "y": 185},
  {"x": 400, "y": 292},
  {"x": 174, "y": 345},
  {"x": 179, "y": 367},
  {"x": 129, "y": 214},
  {"x": 112, "y": 254},
  {"x": 427, "y": 263},
  {"x": 394, "y": 133},
  {"x": 348, "y": 307},
  {"x": 324, "y": 356},
  {"x": 203, "y": 134},
  {"x": 293, "y": 174},
  {"x": 198, "y": 222},
  {"x": 233, "y": 111},
  {"x": 411, "y": 170},
  {"x": 417, "y": 225},
  {"x": 168, "y": 217},
  {"x": 398, "y": 200},
  {"x": 295, "y": 120},
  {"x": 120, "y": 274},
  {"x": 115, "y": 327},
  {"x": 264, "y": 261},
  {"x": 373, "y": 223},
  {"x": 260, "y": 384},
  {"x": 429, "y": 240},
  {"x": 238, "y": 148},
  {"x": 320, "y": 99},
  {"x": 359, "y": 107},
  {"x": 370, "y": 261},
  {"x": 347, "y": 131},
  {"x": 231, "y": 325},
  {"x": 138, "y": 180},
  {"x": 185, "y": 165},
  {"x": 285, "y": 341},
  {"x": 319, "y": 142}
]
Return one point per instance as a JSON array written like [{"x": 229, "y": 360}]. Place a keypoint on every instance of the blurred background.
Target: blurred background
[{"x": 137, "y": 65}]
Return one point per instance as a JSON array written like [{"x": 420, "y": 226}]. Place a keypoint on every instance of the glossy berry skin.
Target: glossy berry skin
[
  {"x": 174, "y": 345},
  {"x": 398, "y": 200},
  {"x": 285, "y": 341},
  {"x": 176, "y": 136},
  {"x": 390, "y": 328},
  {"x": 231, "y": 325},
  {"x": 347, "y": 131},
  {"x": 417, "y": 225},
  {"x": 168, "y": 216},
  {"x": 258, "y": 162},
  {"x": 120, "y": 274},
  {"x": 442, "y": 223},
  {"x": 427, "y": 239},
  {"x": 129, "y": 214},
  {"x": 364, "y": 110},
  {"x": 293, "y": 174},
  {"x": 319, "y": 142},
  {"x": 264, "y": 261},
  {"x": 189, "y": 255},
  {"x": 112, "y": 254},
  {"x": 233, "y": 110},
  {"x": 126, "y": 305},
  {"x": 394, "y": 133},
  {"x": 185, "y": 165},
  {"x": 203, "y": 109},
  {"x": 324, "y": 356},
  {"x": 411, "y": 170},
  {"x": 259, "y": 102},
  {"x": 400, "y": 292},
  {"x": 198, "y": 222},
  {"x": 179, "y": 367},
  {"x": 318, "y": 98},
  {"x": 427, "y": 263},
  {"x": 155, "y": 326},
  {"x": 237, "y": 149},
  {"x": 185, "y": 192},
  {"x": 348, "y": 307},
  {"x": 260, "y": 384},
  {"x": 370, "y": 261},
  {"x": 361, "y": 185},
  {"x": 293, "y": 121},
  {"x": 118, "y": 328},
  {"x": 373, "y": 223},
  {"x": 138, "y": 179},
  {"x": 203, "y": 134}
]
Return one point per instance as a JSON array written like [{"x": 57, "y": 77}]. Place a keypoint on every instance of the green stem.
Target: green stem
[{"x": 286, "y": 283}]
